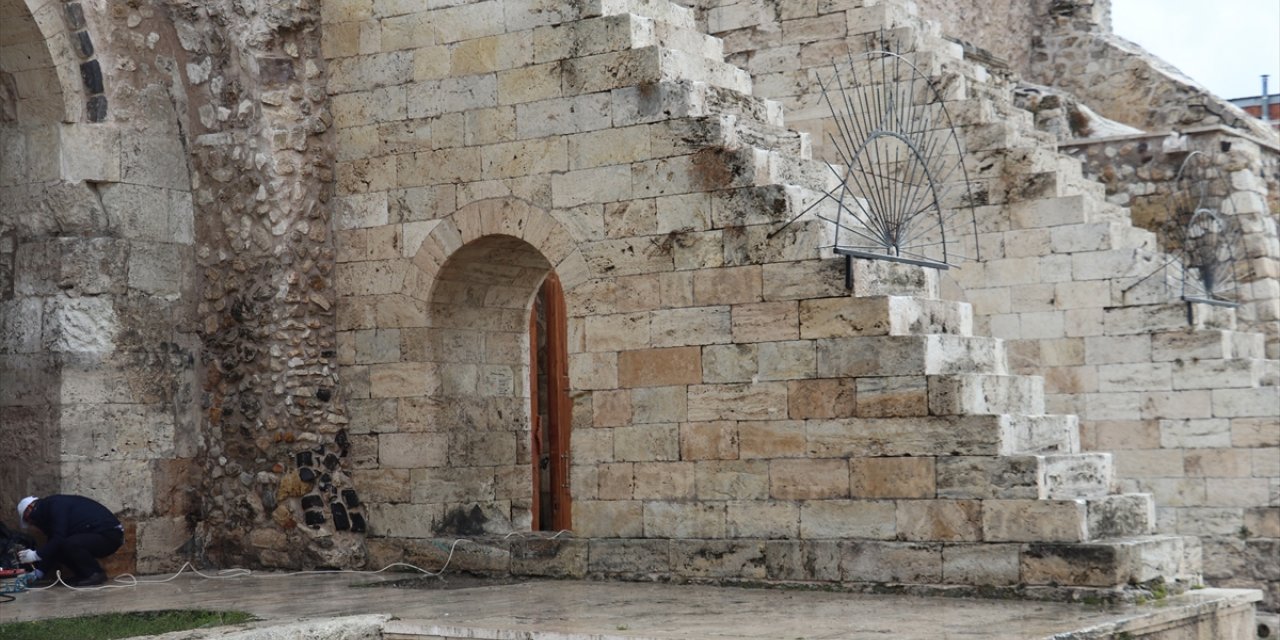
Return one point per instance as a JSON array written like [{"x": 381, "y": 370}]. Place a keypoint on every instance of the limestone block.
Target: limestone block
[
  {"x": 882, "y": 315},
  {"x": 1221, "y": 463},
  {"x": 892, "y": 396},
  {"x": 1034, "y": 521},
  {"x": 615, "y": 481},
  {"x": 822, "y": 398},
  {"x": 691, "y": 212},
  {"x": 944, "y": 435},
  {"x": 1237, "y": 492},
  {"x": 138, "y": 211},
  {"x": 981, "y": 564},
  {"x": 892, "y": 477},
  {"x": 729, "y": 285},
  {"x": 469, "y": 21},
  {"x": 404, "y": 520},
  {"x": 1083, "y": 565},
  {"x": 80, "y": 325},
  {"x": 646, "y": 443},
  {"x": 1079, "y": 475},
  {"x": 1118, "y": 349},
  {"x": 627, "y": 557},
  {"x": 451, "y": 94},
  {"x": 1188, "y": 434},
  {"x": 709, "y": 440},
  {"x": 803, "y": 280},
  {"x": 370, "y": 72},
  {"x": 523, "y": 15},
  {"x": 656, "y": 104},
  {"x": 601, "y": 184},
  {"x": 970, "y": 394},
  {"x": 345, "y": 10},
  {"x": 765, "y": 321},
  {"x": 413, "y": 450},
  {"x": 762, "y": 401},
  {"x": 1219, "y": 374},
  {"x": 563, "y": 116},
  {"x": 601, "y": 371},
  {"x": 732, "y": 480},
  {"x": 697, "y": 250},
  {"x": 791, "y": 479},
  {"x": 826, "y": 519},
  {"x": 96, "y": 155},
  {"x": 803, "y": 560},
  {"x": 940, "y": 520},
  {"x": 787, "y": 360},
  {"x": 684, "y": 520},
  {"x": 1155, "y": 376},
  {"x": 524, "y": 157},
  {"x": 592, "y": 446},
  {"x": 698, "y": 325},
  {"x": 559, "y": 558},
  {"x": 896, "y": 562},
  {"x": 763, "y": 519},
  {"x": 730, "y": 363},
  {"x": 772, "y": 439},
  {"x": 598, "y": 148},
  {"x": 1261, "y": 401},
  {"x": 618, "y": 332},
  {"x": 1263, "y": 521},
  {"x": 1254, "y": 432},
  {"x": 718, "y": 559},
  {"x": 664, "y": 481},
  {"x": 384, "y": 485},
  {"x": 156, "y": 160},
  {"x": 658, "y": 367},
  {"x": 1122, "y": 515}
]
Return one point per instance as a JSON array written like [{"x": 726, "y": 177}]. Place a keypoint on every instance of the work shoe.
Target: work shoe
[{"x": 93, "y": 580}]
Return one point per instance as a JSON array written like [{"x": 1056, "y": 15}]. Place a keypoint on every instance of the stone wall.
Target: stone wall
[{"x": 96, "y": 354}]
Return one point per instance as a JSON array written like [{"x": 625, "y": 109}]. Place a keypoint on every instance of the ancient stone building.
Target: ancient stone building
[{"x": 299, "y": 283}]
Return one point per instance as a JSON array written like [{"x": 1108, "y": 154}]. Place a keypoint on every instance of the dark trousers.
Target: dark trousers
[{"x": 79, "y": 552}]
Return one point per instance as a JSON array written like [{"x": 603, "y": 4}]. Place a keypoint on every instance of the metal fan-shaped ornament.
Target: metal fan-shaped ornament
[
  {"x": 903, "y": 192},
  {"x": 1205, "y": 242}
]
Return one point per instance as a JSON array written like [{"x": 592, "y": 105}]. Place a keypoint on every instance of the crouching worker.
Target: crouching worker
[{"x": 79, "y": 531}]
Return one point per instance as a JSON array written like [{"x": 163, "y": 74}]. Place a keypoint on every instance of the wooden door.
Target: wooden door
[{"x": 550, "y": 410}]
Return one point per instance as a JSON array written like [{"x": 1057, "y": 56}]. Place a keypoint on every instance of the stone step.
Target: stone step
[
  {"x": 1165, "y": 316},
  {"x": 967, "y": 394},
  {"x": 1121, "y": 515},
  {"x": 744, "y": 105},
  {"x": 941, "y": 436},
  {"x": 614, "y": 33},
  {"x": 1059, "y": 210},
  {"x": 660, "y": 10},
  {"x": 1112, "y": 562},
  {"x": 863, "y": 356},
  {"x": 883, "y": 316},
  {"x": 1025, "y": 477},
  {"x": 755, "y": 133},
  {"x": 1068, "y": 519},
  {"x": 691, "y": 99},
  {"x": 646, "y": 66},
  {"x": 1099, "y": 236},
  {"x": 1206, "y": 344}
]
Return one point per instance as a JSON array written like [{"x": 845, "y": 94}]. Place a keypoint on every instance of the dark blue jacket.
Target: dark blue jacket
[{"x": 61, "y": 516}]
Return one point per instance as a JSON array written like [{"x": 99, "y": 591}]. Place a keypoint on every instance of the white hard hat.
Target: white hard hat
[{"x": 22, "y": 509}]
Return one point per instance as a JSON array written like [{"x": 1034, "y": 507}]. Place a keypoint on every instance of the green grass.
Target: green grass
[{"x": 119, "y": 625}]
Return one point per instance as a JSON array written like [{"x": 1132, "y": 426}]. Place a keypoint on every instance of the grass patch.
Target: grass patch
[{"x": 120, "y": 625}]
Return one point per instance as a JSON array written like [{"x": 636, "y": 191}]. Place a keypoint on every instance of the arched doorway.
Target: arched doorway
[{"x": 549, "y": 408}]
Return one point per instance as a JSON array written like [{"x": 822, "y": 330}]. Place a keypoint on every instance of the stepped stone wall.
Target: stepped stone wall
[{"x": 266, "y": 271}]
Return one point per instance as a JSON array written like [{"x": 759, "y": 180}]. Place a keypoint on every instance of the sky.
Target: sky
[{"x": 1225, "y": 45}]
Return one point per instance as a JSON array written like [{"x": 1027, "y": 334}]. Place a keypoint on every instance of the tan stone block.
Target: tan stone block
[
  {"x": 646, "y": 443},
  {"x": 763, "y": 519},
  {"x": 732, "y": 480},
  {"x": 709, "y": 440},
  {"x": 808, "y": 479},
  {"x": 664, "y": 481},
  {"x": 791, "y": 360},
  {"x": 383, "y": 485},
  {"x": 659, "y": 404},
  {"x": 404, "y": 520},
  {"x": 403, "y": 379},
  {"x": 1034, "y": 521},
  {"x": 453, "y": 484},
  {"x": 828, "y": 519},
  {"x": 692, "y": 326},
  {"x": 765, "y": 322},
  {"x": 772, "y": 439},
  {"x": 605, "y": 147},
  {"x": 659, "y": 367},
  {"x": 892, "y": 477},
  {"x": 1221, "y": 463},
  {"x": 631, "y": 218},
  {"x": 727, "y": 285},
  {"x": 611, "y": 408},
  {"x": 981, "y": 564},
  {"x": 821, "y": 399},
  {"x": 530, "y": 84},
  {"x": 638, "y": 293},
  {"x": 618, "y": 332},
  {"x": 892, "y": 396},
  {"x": 684, "y": 520},
  {"x": 598, "y": 370},
  {"x": 1254, "y": 432},
  {"x": 608, "y": 519},
  {"x": 763, "y": 401},
  {"x": 413, "y": 450},
  {"x": 729, "y": 363},
  {"x": 592, "y": 446},
  {"x": 616, "y": 481},
  {"x": 940, "y": 520}
]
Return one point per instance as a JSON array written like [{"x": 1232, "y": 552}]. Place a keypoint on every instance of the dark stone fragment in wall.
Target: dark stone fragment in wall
[
  {"x": 307, "y": 474},
  {"x": 312, "y": 502},
  {"x": 331, "y": 462},
  {"x": 1224, "y": 146},
  {"x": 84, "y": 44},
  {"x": 91, "y": 74},
  {"x": 343, "y": 441},
  {"x": 327, "y": 489},
  {"x": 349, "y": 496},
  {"x": 303, "y": 458},
  {"x": 357, "y": 523},
  {"x": 328, "y": 354},
  {"x": 75, "y": 16},
  {"x": 269, "y": 499},
  {"x": 326, "y": 478},
  {"x": 276, "y": 71},
  {"x": 97, "y": 107},
  {"x": 314, "y": 519},
  {"x": 340, "y": 521},
  {"x": 324, "y": 394}
]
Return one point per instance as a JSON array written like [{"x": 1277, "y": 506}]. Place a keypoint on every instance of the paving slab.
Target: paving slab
[{"x": 580, "y": 610}]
